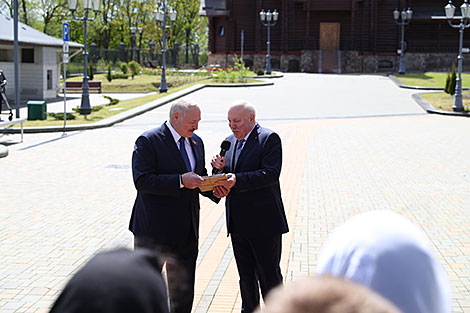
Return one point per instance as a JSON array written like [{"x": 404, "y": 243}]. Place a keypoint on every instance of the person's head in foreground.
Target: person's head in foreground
[
  {"x": 325, "y": 294},
  {"x": 113, "y": 282},
  {"x": 387, "y": 253}
]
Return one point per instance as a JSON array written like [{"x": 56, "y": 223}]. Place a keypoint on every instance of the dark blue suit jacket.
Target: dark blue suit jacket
[
  {"x": 254, "y": 205},
  {"x": 163, "y": 211}
]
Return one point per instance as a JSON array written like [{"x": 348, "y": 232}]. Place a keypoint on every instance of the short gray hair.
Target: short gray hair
[
  {"x": 181, "y": 106},
  {"x": 247, "y": 106}
]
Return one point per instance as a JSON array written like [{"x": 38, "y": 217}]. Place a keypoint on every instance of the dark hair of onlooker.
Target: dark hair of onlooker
[{"x": 118, "y": 281}]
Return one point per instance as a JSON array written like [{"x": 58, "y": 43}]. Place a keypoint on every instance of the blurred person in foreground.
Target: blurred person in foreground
[
  {"x": 118, "y": 281},
  {"x": 254, "y": 209},
  {"x": 387, "y": 253},
  {"x": 325, "y": 294}
]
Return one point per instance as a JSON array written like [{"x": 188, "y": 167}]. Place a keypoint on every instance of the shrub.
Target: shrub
[
  {"x": 96, "y": 108},
  {"x": 124, "y": 68},
  {"x": 60, "y": 116},
  {"x": 203, "y": 58},
  {"x": 453, "y": 81},
  {"x": 135, "y": 68},
  {"x": 101, "y": 66},
  {"x": 259, "y": 72},
  {"x": 112, "y": 101},
  {"x": 446, "y": 88},
  {"x": 93, "y": 109},
  {"x": 119, "y": 76},
  {"x": 91, "y": 75},
  {"x": 109, "y": 76}
]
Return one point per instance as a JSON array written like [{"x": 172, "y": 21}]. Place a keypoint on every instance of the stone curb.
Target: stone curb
[
  {"x": 430, "y": 109},
  {"x": 130, "y": 113},
  {"x": 423, "y": 103},
  {"x": 3, "y": 151}
]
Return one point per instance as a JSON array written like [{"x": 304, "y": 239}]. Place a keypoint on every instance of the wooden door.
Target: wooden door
[
  {"x": 330, "y": 57},
  {"x": 329, "y": 36}
]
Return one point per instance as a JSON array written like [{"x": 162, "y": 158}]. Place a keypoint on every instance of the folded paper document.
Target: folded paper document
[{"x": 209, "y": 181}]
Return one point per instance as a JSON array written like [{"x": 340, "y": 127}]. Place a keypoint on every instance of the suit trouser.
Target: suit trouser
[
  {"x": 180, "y": 270},
  {"x": 258, "y": 267}
]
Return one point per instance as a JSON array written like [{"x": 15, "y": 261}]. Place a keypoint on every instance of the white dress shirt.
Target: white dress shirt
[{"x": 187, "y": 145}]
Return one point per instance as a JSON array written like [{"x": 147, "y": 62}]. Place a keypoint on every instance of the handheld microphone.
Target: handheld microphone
[{"x": 224, "y": 146}]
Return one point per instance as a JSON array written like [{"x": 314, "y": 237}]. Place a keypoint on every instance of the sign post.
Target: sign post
[{"x": 65, "y": 37}]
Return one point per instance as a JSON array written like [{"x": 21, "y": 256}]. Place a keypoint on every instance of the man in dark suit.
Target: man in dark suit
[
  {"x": 167, "y": 165},
  {"x": 254, "y": 210}
]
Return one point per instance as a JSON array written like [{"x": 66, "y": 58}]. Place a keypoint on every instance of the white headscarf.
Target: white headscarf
[{"x": 387, "y": 253}]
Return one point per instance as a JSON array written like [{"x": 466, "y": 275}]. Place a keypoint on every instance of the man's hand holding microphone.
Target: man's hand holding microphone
[{"x": 218, "y": 163}]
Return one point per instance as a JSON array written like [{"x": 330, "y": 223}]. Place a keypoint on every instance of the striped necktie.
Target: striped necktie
[{"x": 238, "y": 150}]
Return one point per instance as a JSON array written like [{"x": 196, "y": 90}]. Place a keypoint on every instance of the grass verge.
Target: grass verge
[
  {"x": 430, "y": 79},
  {"x": 110, "y": 110},
  {"x": 444, "y": 101}
]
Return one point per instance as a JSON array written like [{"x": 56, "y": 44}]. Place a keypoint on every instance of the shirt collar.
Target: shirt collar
[
  {"x": 248, "y": 135},
  {"x": 174, "y": 133}
]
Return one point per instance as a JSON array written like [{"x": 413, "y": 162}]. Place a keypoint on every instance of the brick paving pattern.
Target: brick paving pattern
[{"x": 63, "y": 199}]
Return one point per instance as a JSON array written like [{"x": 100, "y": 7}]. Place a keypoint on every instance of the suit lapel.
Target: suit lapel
[
  {"x": 196, "y": 152},
  {"x": 171, "y": 144},
  {"x": 249, "y": 144}
]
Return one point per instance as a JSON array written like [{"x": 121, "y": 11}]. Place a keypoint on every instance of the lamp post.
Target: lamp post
[
  {"x": 405, "y": 20},
  {"x": 464, "y": 23},
  {"x": 88, "y": 5},
  {"x": 151, "y": 47},
  {"x": 268, "y": 19},
  {"x": 160, "y": 16},
  {"x": 134, "y": 31}
]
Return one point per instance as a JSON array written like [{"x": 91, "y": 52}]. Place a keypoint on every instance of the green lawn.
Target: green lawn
[
  {"x": 439, "y": 100},
  {"x": 107, "y": 111},
  {"x": 141, "y": 83},
  {"x": 444, "y": 101},
  {"x": 430, "y": 79}
]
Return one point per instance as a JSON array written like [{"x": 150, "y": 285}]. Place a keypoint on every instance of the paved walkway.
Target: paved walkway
[{"x": 346, "y": 150}]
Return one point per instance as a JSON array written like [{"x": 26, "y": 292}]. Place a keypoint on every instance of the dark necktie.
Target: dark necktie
[
  {"x": 238, "y": 150},
  {"x": 184, "y": 154}
]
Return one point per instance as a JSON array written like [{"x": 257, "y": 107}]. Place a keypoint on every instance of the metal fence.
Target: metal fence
[{"x": 145, "y": 57}]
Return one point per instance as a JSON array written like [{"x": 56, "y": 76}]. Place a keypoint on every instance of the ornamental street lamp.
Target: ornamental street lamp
[
  {"x": 405, "y": 20},
  {"x": 160, "y": 16},
  {"x": 88, "y": 5},
  {"x": 134, "y": 31},
  {"x": 464, "y": 23},
  {"x": 268, "y": 19}
]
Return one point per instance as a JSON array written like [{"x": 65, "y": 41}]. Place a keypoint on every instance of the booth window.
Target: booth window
[
  {"x": 4, "y": 55},
  {"x": 27, "y": 55}
]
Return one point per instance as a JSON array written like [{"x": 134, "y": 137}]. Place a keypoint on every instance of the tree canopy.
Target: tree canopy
[{"x": 113, "y": 23}]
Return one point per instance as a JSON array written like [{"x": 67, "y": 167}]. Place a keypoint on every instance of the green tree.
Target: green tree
[
  {"x": 453, "y": 81},
  {"x": 448, "y": 79},
  {"x": 91, "y": 71},
  {"x": 135, "y": 68},
  {"x": 109, "y": 76}
]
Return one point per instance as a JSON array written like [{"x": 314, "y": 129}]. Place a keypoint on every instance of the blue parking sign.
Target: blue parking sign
[{"x": 65, "y": 31}]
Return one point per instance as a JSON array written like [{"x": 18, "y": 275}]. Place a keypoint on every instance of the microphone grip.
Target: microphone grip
[{"x": 222, "y": 154}]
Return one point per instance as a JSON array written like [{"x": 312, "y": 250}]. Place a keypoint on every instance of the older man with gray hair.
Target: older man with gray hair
[{"x": 167, "y": 165}]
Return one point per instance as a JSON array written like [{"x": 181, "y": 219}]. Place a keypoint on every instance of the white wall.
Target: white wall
[{"x": 33, "y": 76}]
